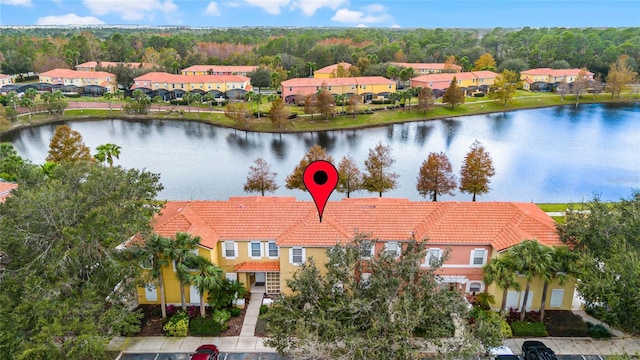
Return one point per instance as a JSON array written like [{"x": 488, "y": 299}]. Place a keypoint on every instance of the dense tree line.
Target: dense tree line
[{"x": 300, "y": 52}]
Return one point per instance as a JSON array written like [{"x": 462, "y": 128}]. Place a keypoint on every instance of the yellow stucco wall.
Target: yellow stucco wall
[{"x": 536, "y": 289}]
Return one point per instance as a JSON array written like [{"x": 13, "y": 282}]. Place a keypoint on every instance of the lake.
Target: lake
[{"x": 559, "y": 154}]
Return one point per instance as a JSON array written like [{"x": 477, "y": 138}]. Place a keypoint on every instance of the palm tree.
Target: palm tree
[
  {"x": 188, "y": 97},
  {"x": 158, "y": 100},
  {"x": 530, "y": 259},
  {"x": 563, "y": 265},
  {"x": 31, "y": 93},
  {"x": 155, "y": 249},
  {"x": 499, "y": 271},
  {"x": 209, "y": 98},
  {"x": 207, "y": 278},
  {"x": 27, "y": 103},
  {"x": 109, "y": 96},
  {"x": 394, "y": 97},
  {"x": 250, "y": 96},
  {"x": 197, "y": 98},
  {"x": 181, "y": 252},
  {"x": 106, "y": 152}
]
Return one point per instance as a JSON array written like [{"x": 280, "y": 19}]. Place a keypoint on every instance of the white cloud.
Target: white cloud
[
  {"x": 309, "y": 7},
  {"x": 232, "y": 4},
  {"x": 16, "y": 2},
  {"x": 374, "y": 8},
  {"x": 395, "y": 26},
  {"x": 212, "y": 9},
  {"x": 361, "y": 26},
  {"x": 69, "y": 19},
  {"x": 130, "y": 10},
  {"x": 270, "y": 6},
  {"x": 358, "y": 17}
]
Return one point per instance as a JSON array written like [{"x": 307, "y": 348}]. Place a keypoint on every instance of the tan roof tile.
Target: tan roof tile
[{"x": 252, "y": 266}]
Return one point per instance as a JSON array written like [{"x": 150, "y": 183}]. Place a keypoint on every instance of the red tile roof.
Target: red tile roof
[
  {"x": 221, "y": 68},
  {"x": 553, "y": 72},
  {"x": 3, "y": 76},
  {"x": 74, "y": 74},
  {"x": 251, "y": 266},
  {"x": 359, "y": 80},
  {"x": 163, "y": 77},
  {"x": 5, "y": 189},
  {"x": 329, "y": 69},
  {"x": 295, "y": 223},
  {"x": 93, "y": 64}
]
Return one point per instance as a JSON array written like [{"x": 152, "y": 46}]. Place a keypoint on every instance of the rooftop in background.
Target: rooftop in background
[
  {"x": 5, "y": 189},
  {"x": 91, "y": 65}
]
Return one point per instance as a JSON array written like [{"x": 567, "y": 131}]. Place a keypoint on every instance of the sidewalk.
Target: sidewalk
[
  {"x": 246, "y": 342},
  {"x": 582, "y": 346}
]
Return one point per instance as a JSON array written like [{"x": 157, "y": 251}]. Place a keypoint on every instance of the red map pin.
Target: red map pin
[{"x": 320, "y": 178}]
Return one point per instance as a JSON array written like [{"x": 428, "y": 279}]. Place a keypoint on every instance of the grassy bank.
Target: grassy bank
[{"x": 382, "y": 114}]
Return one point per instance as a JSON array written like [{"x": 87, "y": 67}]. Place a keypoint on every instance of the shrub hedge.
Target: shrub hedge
[
  {"x": 526, "y": 328},
  {"x": 204, "y": 327},
  {"x": 178, "y": 325}
]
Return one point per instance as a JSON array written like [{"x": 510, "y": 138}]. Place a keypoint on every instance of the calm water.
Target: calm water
[{"x": 558, "y": 154}]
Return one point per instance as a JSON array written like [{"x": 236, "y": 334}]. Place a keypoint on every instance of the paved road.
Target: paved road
[{"x": 185, "y": 356}]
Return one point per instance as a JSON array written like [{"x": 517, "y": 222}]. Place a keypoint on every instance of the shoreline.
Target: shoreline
[{"x": 316, "y": 126}]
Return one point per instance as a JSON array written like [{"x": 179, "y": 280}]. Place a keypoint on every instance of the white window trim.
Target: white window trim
[
  {"x": 304, "y": 255},
  {"x": 398, "y": 248},
  {"x": 277, "y": 249},
  {"x": 475, "y": 282},
  {"x": 235, "y": 250},
  {"x": 372, "y": 252},
  {"x": 427, "y": 263},
  {"x": 251, "y": 252},
  {"x": 484, "y": 257},
  {"x": 552, "y": 299}
]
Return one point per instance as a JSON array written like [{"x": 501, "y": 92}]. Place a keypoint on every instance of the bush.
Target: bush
[
  {"x": 263, "y": 309},
  {"x": 172, "y": 310},
  {"x": 235, "y": 312},
  {"x": 514, "y": 315},
  {"x": 177, "y": 102},
  {"x": 193, "y": 311},
  {"x": 72, "y": 95},
  {"x": 505, "y": 329},
  {"x": 221, "y": 317},
  {"x": 565, "y": 323},
  {"x": 478, "y": 95},
  {"x": 598, "y": 332},
  {"x": 204, "y": 327},
  {"x": 178, "y": 325},
  {"x": 526, "y": 328},
  {"x": 293, "y": 116}
]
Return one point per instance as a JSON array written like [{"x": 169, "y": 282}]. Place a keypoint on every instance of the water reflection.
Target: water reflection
[{"x": 542, "y": 155}]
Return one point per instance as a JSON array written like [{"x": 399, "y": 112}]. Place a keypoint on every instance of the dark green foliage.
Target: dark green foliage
[
  {"x": 263, "y": 309},
  {"x": 59, "y": 236},
  {"x": 564, "y": 323},
  {"x": 223, "y": 298},
  {"x": 598, "y": 331},
  {"x": 528, "y": 329},
  {"x": 342, "y": 313},
  {"x": 204, "y": 327},
  {"x": 607, "y": 236},
  {"x": 235, "y": 312}
]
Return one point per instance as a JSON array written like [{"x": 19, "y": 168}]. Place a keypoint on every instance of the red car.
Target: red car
[{"x": 206, "y": 352}]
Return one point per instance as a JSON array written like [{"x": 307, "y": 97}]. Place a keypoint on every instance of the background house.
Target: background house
[
  {"x": 469, "y": 82},
  {"x": 367, "y": 87},
  {"x": 262, "y": 241},
  {"x": 66, "y": 80},
  {"x": 171, "y": 86},
  {"x": 429, "y": 68},
  {"x": 218, "y": 70},
  {"x": 546, "y": 79}
]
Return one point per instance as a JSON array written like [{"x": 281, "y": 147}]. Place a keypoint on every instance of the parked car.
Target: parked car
[
  {"x": 206, "y": 352},
  {"x": 536, "y": 350}
]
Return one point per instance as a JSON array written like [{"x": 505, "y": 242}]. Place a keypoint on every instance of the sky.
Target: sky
[{"x": 323, "y": 13}]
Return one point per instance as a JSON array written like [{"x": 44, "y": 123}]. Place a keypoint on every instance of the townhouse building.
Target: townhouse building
[
  {"x": 469, "y": 82},
  {"x": 80, "y": 81},
  {"x": 367, "y": 87},
  {"x": 546, "y": 79},
  {"x": 262, "y": 241},
  {"x": 5, "y": 80},
  {"x": 218, "y": 70},
  {"x": 171, "y": 86},
  {"x": 329, "y": 71},
  {"x": 429, "y": 68}
]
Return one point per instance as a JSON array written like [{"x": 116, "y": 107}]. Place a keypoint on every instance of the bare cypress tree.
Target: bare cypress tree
[
  {"x": 379, "y": 177},
  {"x": 435, "y": 177},
  {"x": 260, "y": 178},
  {"x": 294, "y": 180},
  {"x": 476, "y": 171}
]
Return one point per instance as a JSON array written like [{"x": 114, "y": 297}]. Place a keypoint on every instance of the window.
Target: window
[
  {"x": 557, "y": 295},
  {"x": 433, "y": 256},
  {"x": 475, "y": 287},
  {"x": 296, "y": 255},
  {"x": 365, "y": 280},
  {"x": 478, "y": 256},
  {"x": 150, "y": 292},
  {"x": 231, "y": 276},
  {"x": 273, "y": 249},
  {"x": 367, "y": 249},
  {"x": 290, "y": 88},
  {"x": 229, "y": 250},
  {"x": 529, "y": 300},
  {"x": 392, "y": 248},
  {"x": 255, "y": 249}
]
